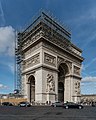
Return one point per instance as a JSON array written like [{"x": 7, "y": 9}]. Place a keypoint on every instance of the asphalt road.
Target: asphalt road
[{"x": 46, "y": 113}]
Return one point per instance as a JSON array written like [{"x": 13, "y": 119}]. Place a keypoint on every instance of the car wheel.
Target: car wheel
[
  {"x": 80, "y": 107},
  {"x": 66, "y": 107}
]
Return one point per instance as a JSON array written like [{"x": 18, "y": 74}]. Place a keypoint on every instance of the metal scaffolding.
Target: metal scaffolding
[
  {"x": 43, "y": 22},
  {"x": 18, "y": 59}
]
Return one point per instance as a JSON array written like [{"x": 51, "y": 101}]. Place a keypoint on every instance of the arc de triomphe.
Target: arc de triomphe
[{"x": 51, "y": 64}]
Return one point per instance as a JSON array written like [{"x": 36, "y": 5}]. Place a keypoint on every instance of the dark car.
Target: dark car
[
  {"x": 72, "y": 105},
  {"x": 57, "y": 104},
  {"x": 93, "y": 104},
  {"x": 7, "y": 104},
  {"x": 24, "y": 104}
]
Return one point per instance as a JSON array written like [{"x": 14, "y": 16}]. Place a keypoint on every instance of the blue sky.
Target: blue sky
[{"x": 78, "y": 15}]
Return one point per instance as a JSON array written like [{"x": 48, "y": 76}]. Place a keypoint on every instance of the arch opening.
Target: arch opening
[
  {"x": 31, "y": 82},
  {"x": 63, "y": 71}
]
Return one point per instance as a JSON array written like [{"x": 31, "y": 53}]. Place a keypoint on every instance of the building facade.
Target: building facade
[
  {"x": 51, "y": 64},
  {"x": 87, "y": 99}
]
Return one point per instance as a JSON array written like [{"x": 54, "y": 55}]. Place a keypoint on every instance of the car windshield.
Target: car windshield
[
  {"x": 57, "y": 102},
  {"x": 22, "y": 102},
  {"x": 71, "y": 103},
  {"x": 6, "y": 103}
]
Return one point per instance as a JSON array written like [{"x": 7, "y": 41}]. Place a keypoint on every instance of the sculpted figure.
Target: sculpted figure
[{"x": 50, "y": 83}]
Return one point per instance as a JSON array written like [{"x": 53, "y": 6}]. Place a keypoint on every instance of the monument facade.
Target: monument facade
[{"x": 51, "y": 64}]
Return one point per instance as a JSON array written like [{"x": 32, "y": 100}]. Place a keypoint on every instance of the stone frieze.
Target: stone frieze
[
  {"x": 49, "y": 59},
  {"x": 31, "y": 61}
]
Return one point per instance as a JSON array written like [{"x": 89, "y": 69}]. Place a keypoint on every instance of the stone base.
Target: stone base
[{"x": 51, "y": 97}]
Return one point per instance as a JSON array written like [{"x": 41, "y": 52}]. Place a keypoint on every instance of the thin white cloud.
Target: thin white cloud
[
  {"x": 81, "y": 19},
  {"x": 93, "y": 72},
  {"x": 12, "y": 67},
  {"x": 3, "y": 86},
  {"x": 84, "y": 73},
  {"x": 92, "y": 13},
  {"x": 82, "y": 84},
  {"x": 7, "y": 40},
  {"x": 85, "y": 20},
  {"x": 88, "y": 85},
  {"x": 2, "y": 19},
  {"x": 47, "y": 3},
  {"x": 82, "y": 67},
  {"x": 89, "y": 79},
  {"x": 90, "y": 38},
  {"x": 89, "y": 64}
]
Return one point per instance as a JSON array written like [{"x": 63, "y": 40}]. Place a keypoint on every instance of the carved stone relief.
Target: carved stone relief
[
  {"x": 70, "y": 65},
  {"x": 50, "y": 83},
  {"x": 32, "y": 39},
  {"x": 74, "y": 50},
  {"x": 31, "y": 61},
  {"x": 49, "y": 59},
  {"x": 59, "y": 52},
  {"x": 76, "y": 70},
  {"x": 32, "y": 49},
  {"x": 57, "y": 39},
  {"x": 77, "y": 87},
  {"x": 61, "y": 41},
  {"x": 61, "y": 60}
]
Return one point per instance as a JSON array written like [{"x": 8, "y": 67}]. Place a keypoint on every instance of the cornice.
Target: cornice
[{"x": 75, "y": 76}]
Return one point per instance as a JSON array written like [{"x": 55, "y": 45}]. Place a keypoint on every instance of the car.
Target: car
[
  {"x": 24, "y": 104},
  {"x": 93, "y": 104},
  {"x": 72, "y": 105},
  {"x": 7, "y": 104},
  {"x": 57, "y": 104}
]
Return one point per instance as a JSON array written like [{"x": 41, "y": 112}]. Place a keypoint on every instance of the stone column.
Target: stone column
[
  {"x": 68, "y": 93},
  {"x": 28, "y": 91}
]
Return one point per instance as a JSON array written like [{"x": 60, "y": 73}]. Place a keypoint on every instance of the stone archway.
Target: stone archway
[
  {"x": 31, "y": 81},
  {"x": 63, "y": 71},
  {"x": 60, "y": 91}
]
